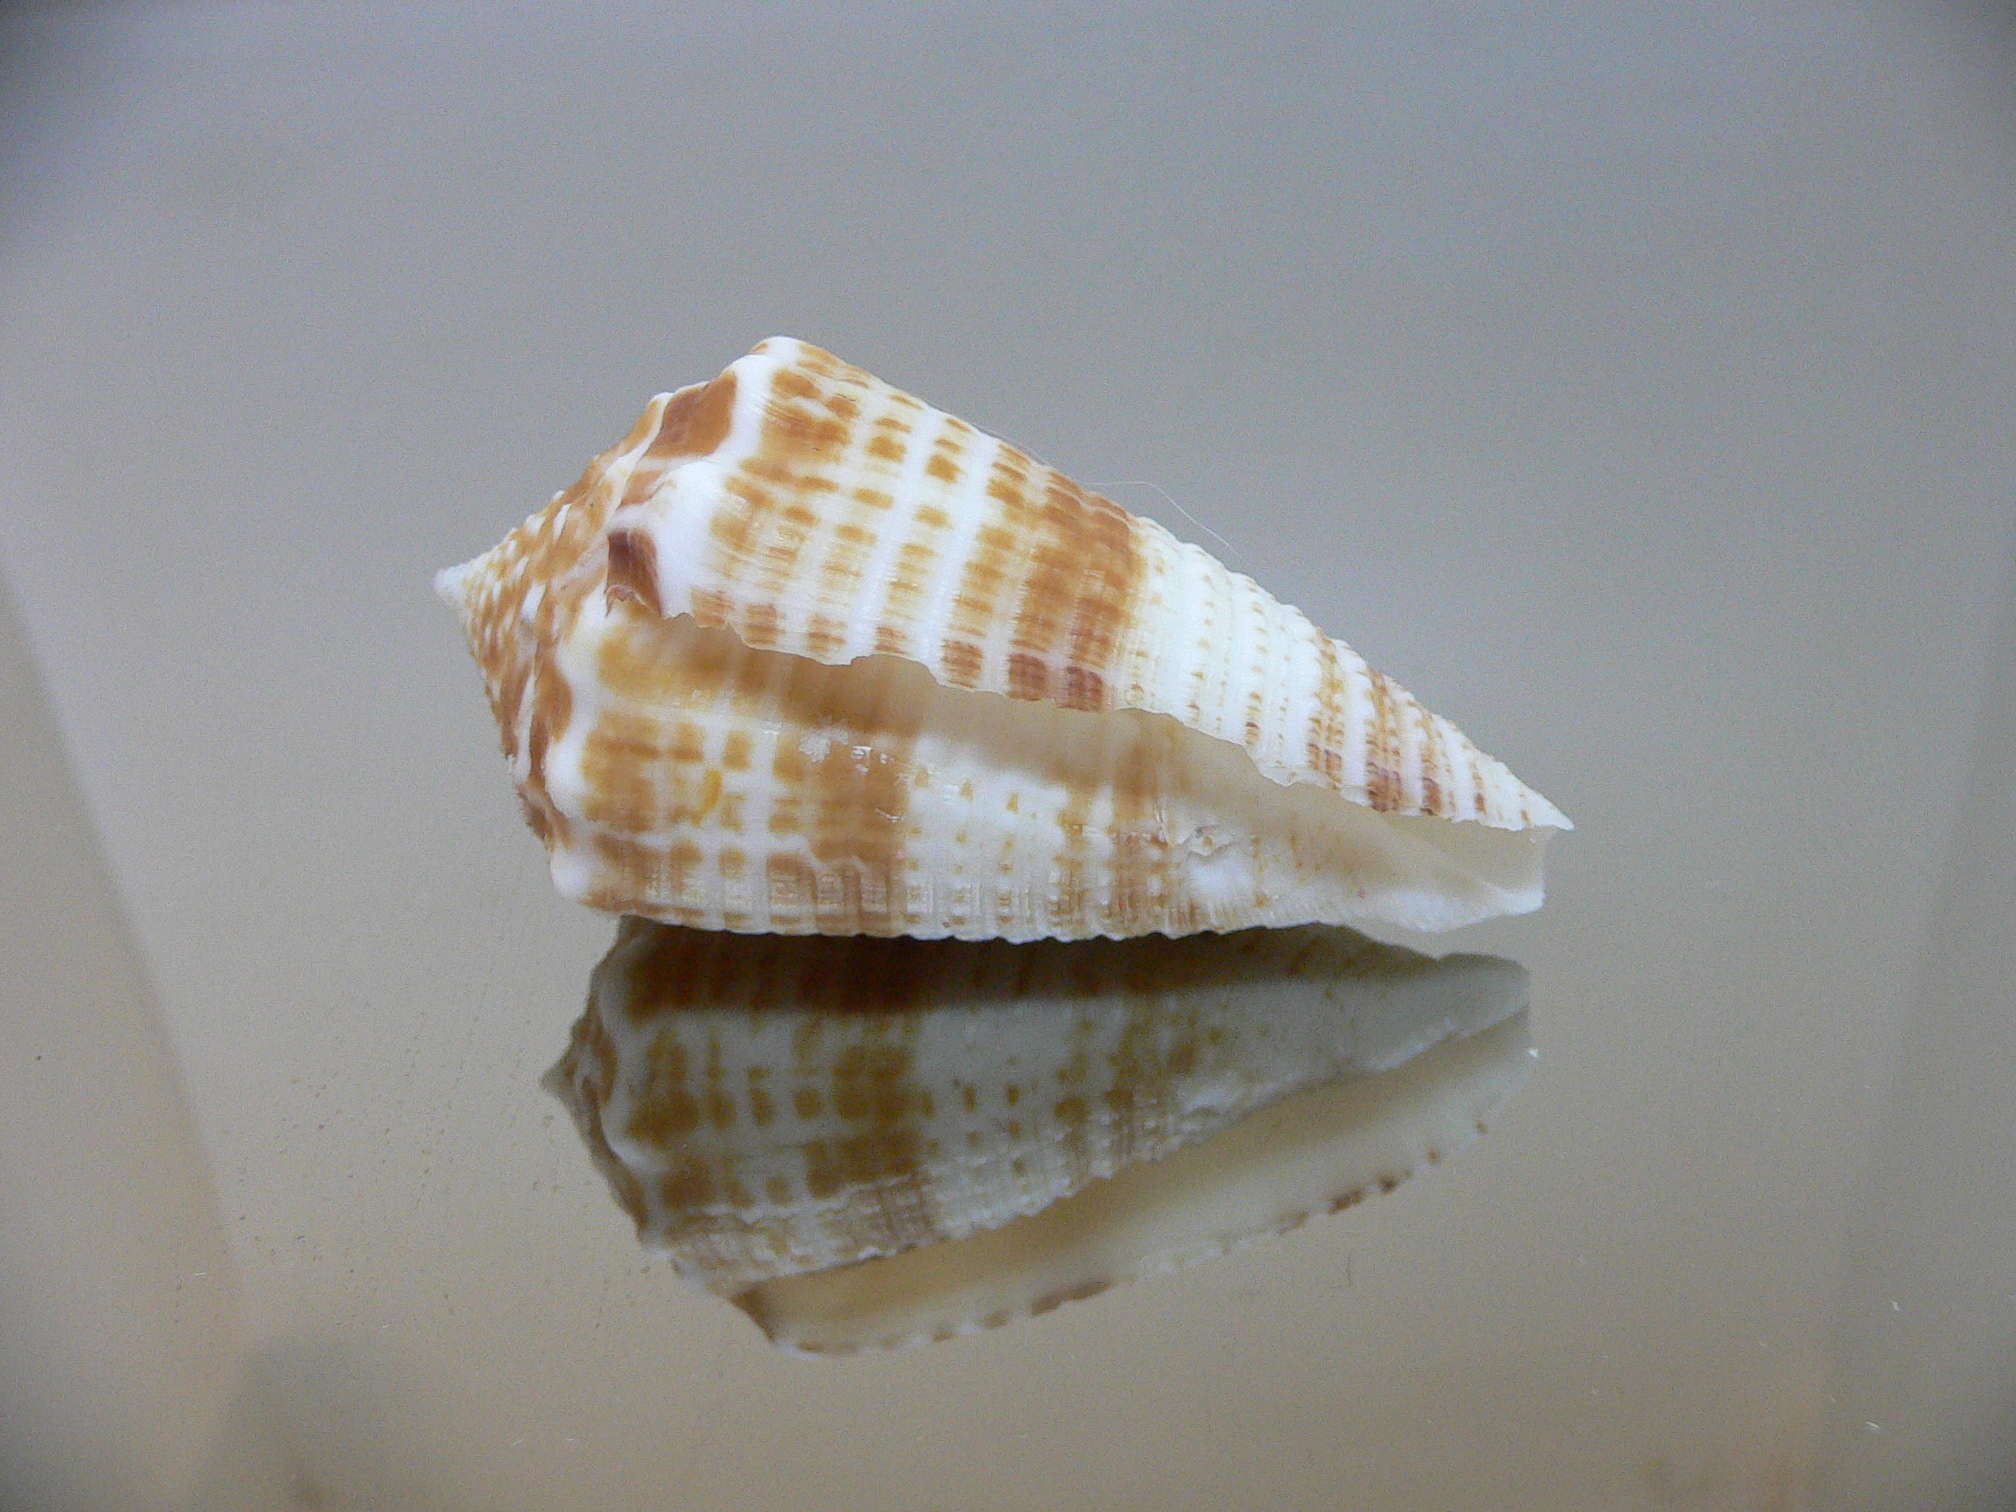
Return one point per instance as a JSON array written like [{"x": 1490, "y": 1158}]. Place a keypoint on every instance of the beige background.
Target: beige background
[{"x": 1637, "y": 389}]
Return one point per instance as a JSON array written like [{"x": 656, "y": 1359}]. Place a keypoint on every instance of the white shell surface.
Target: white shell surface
[
  {"x": 801, "y": 656},
  {"x": 778, "y": 1107}
]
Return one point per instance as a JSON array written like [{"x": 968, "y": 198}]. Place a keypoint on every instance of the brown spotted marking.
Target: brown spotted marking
[
  {"x": 1070, "y": 890},
  {"x": 1434, "y": 769},
  {"x": 905, "y": 597},
  {"x": 665, "y": 1106},
  {"x": 1028, "y": 676},
  {"x": 991, "y": 565},
  {"x": 560, "y": 551},
  {"x": 875, "y": 1168},
  {"x": 946, "y": 465},
  {"x": 667, "y": 669},
  {"x": 761, "y": 531},
  {"x": 762, "y": 525},
  {"x": 762, "y": 1108},
  {"x": 645, "y": 765},
  {"x": 589, "y": 1069},
  {"x": 1383, "y": 791},
  {"x": 659, "y": 973},
  {"x": 687, "y": 1186},
  {"x": 904, "y": 601},
  {"x": 1155, "y": 1047},
  {"x": 619, "y": 766},
  {"x": 850, "y": 802},
  {"x": 719, "y": 1104},
  {"x": 1077, "y": 592},
  {"x": 852, "y": 541},
  {"x": 671, "y": 877},
  {"x": 1140, "y": 871},
  {"x": 695, "y": 422},
  {"x": 552, "y": 705},
  {"x": 824, "y": 636},
  {"x": 1076, "y": 1144},
  {"x": 1327, "y": 719}
]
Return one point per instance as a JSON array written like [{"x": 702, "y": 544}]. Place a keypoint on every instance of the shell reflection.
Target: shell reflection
[{"x": 871, "y": 1142}]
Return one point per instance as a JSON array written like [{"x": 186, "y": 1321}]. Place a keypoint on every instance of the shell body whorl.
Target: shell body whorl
[{"x": 804, "y": 655}]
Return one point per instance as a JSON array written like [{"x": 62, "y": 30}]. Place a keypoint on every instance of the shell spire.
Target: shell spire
[{"x": 804, "y": 654}]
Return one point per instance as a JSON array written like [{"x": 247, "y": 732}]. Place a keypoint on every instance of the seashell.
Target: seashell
[
  {"x": 869, "y": 1142},
  {"x": 802, "y": 654}
]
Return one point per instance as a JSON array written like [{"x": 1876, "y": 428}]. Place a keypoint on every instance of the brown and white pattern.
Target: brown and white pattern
[
  {"x": 879, "y": 1141},
  {"x": 803, "y": 654}
]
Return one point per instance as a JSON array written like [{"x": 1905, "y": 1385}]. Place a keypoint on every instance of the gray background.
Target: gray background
[{"x": 1636, "y": 387}]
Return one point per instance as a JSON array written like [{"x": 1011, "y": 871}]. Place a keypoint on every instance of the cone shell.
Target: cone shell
[
  {"x": 803, "y": 654},
  {"x": 1014, "y": 1125}
]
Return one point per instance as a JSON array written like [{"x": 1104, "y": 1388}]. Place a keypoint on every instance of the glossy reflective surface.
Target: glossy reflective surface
[{"x": 1665, "y": 355}]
